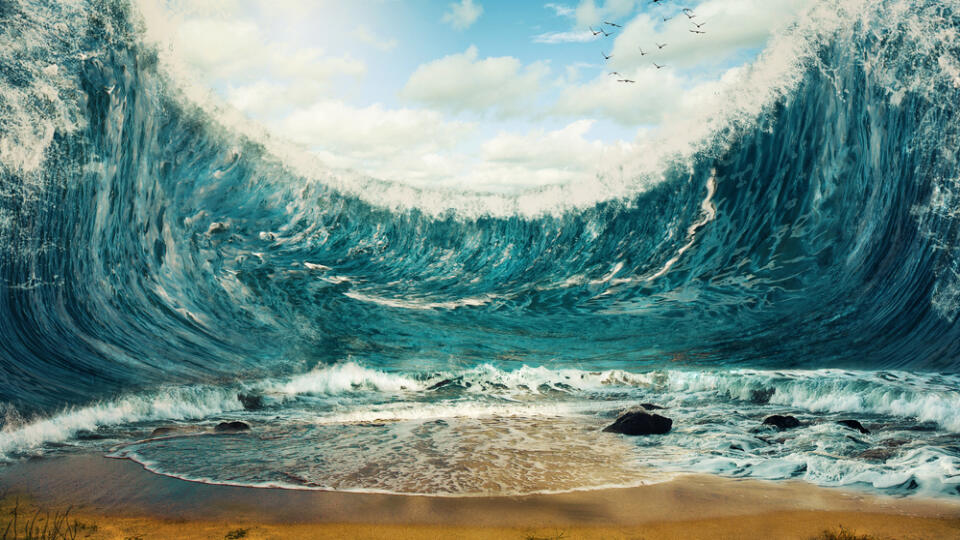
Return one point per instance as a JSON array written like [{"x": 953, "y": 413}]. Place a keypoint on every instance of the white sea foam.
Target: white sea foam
[{"x": 172, "y": 404}]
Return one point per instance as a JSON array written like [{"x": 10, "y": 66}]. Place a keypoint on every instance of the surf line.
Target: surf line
[{"x": 708, "y": 215}]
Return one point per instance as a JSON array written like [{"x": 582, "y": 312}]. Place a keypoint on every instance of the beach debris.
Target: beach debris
[
  {"x": 781, "y": 421},
  {"x": 640, "y": 423},
  {"x": 232, "y": 427},
  {"x": 853, "y": 424}
]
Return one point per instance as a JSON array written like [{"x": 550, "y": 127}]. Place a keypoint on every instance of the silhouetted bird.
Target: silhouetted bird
[
  {"x": 659, "y": 46},
  {"x": 612, "y": 24},
  {"x": 659, "y": 66},
  {"x": 605, "y": 57},
  {"x": 625, "y": 80},
  {"x": 641, "y": 51},
  {"x": 698, "y": 31}
]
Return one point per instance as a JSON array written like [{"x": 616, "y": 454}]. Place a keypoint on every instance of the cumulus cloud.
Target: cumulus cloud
[
  {"x": 237, "y": 49},
  {"x": 366, "y": 36},
  {"x": 465, "y": 82},
  {"x": 731, "y": 26},
  {"x": 462, "y": 15},
  {"x": 630, "y": 104},
  {"x": 588, "y": 13},
  {"x": 371, "y": 131}
]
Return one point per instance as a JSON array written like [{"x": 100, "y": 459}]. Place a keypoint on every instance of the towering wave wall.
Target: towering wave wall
[{"x": 146, "y": 241}]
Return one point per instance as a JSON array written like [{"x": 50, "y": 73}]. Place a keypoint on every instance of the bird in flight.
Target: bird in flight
[
  {"x": 617, "y": 73},
  {"x": 612, "y": 24},
  {"x": 659, "y": 66},
  {"x": 697, "y": 31},
  {"x": 605, "y": 57},
  {"x": 689, "y": 13},
  {"x": 605, "y": 34},
  {"x": 665, "y": 19},
  {"x": 594, "y": 32},
  {"x": 660, "y": 46},
  {"x": 641, "y": 51},
  {"x": 700, "y": 25},
  {"x": 625, "y": 80}
]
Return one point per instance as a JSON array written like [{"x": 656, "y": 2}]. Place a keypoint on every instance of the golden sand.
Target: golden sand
[{"x": 113, "y": 499}]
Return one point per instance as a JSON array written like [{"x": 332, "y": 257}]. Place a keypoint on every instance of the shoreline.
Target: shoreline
[{"x": 125, "y": 500}]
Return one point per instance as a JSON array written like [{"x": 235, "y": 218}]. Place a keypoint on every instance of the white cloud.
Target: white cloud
[
  {"x": 573, "y": 36},
  {"x": 561, "y": 10},
  {"x": 731, "y": 26},
  {"x": 462, "y": 16},
  {"x": 464, "y": 82},
  {"x": 630, "y": 104},
  {"x": 588, "y": 13},
  {"x": 237, "y": 49},
  {"x": 371, "y": 131},
  {"x": 365, "y": 35}
]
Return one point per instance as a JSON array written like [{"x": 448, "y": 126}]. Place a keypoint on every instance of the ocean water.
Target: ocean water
[{"x": 794, "y": 250}]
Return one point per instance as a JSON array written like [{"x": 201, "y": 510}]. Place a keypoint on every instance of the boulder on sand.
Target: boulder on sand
[{"x": 640, "y": 423}]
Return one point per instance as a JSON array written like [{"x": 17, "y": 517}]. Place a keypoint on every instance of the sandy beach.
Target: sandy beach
[{"x": 118, "y": 499}]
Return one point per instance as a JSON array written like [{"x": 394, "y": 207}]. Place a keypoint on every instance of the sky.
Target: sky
[{"x": 485, "y": 95}]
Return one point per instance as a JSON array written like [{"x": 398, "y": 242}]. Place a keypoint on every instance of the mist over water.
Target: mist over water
[{"x": 793, "y": 251}]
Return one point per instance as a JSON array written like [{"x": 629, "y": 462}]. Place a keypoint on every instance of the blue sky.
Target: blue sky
[{"x": 478, "y": 94}]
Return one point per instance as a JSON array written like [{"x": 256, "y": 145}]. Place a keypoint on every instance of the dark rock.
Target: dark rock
[
  {"x": 853, "y": 424},
  {"x": 640, "y": 423},
  {"x": 232, "y": 427},
  {"x": 168, "y": 431},
  {"x": 781, "y": 422},
  {"x": 762, "y": 396},
  {"x": 893, "y": 443},
  {"x": 440, "y": 384},
  {"x": 251, "y": 402},
  {"x": 736, "y": 447},
  {"x": 877, "y": 454},
  {"x": 652, "y": 407}
]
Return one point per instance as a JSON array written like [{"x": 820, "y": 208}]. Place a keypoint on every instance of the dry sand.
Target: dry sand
[{"x": 123, "y": 501}]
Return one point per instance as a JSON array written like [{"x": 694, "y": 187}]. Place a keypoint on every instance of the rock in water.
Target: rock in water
[
  {"x": 250, "y": 402},
  {"x": 640, "y": 423},
  {"x": 232, "y": 427},
  {"x": 853, "y": 424},
  {"x": 651, "y": 407},
  {"x": 781, "y": 422}
]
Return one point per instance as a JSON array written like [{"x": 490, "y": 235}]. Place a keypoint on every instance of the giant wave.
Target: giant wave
[{"x": 158, "y": 255}]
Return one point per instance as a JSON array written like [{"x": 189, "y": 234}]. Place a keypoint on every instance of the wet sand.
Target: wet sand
[{"x": 125, "y": 501}]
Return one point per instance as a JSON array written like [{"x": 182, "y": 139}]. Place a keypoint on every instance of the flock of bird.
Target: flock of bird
[{"x": 696, "y": 29}]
